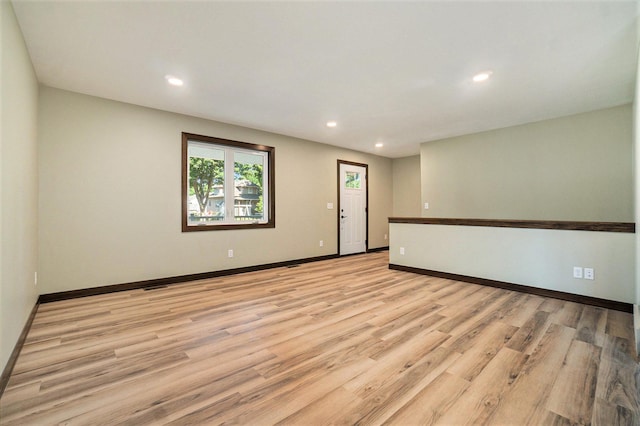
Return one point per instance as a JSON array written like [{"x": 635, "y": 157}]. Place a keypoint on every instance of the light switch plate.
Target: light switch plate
[{"x": 577, "y": 272}]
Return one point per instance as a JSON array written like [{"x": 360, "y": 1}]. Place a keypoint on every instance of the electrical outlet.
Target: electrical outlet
[
  {"x": 385, "y": 236},
  {"x": 230, "y": 253},
  {"x": 588, "y": 274},
  {"x": 426, "y": 206},
  {"x": 577, "y": 272},
  {"x": 402, "y": 251},
  {"x": 321, "y": 243},
  {"x": 35, "y": 278}
]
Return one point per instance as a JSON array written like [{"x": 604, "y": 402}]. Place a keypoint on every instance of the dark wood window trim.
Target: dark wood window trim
[
  {"x": 625, "y": 227},
  {"x": 271, "y": 199}
]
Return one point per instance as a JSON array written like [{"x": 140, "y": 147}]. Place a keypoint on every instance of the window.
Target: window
[
  {"x": 352, "y": 180},
  {"x": 226, "y": 184}
]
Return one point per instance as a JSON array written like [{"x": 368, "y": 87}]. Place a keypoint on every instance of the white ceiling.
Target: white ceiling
[{"x": 392, "y": 72}]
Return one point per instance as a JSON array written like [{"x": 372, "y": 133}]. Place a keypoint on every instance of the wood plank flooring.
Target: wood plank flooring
[{"x": 344, "y": 341}]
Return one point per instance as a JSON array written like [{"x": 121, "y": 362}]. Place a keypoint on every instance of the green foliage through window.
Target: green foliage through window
[
  {"x": 352, "y": 180},
  {"x": 227, "y": 184},
  {"x": 204, "y": 173}
]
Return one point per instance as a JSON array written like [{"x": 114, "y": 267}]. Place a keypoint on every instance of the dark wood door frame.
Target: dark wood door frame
[{"x": 366, "y": 207}]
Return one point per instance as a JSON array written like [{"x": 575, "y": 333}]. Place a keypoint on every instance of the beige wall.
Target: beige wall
[
  {"x": 406, "y": 186},
  {"x": 110, "y": 196},
  {"x": 571, "y": 168},
  {"x": 18, "y": 184},
  {"x": 636, "y": 147},
  {"x": 542, "y": 258}
]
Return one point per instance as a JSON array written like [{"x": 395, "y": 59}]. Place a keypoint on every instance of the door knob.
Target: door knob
[{"x": 342, "y": 217}]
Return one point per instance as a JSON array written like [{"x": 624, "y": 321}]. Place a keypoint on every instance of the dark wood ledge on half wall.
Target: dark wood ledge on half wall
[{"x": 626, "y": 227}]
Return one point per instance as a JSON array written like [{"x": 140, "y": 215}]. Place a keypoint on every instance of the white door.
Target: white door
[{"x": 353, "y": 209}]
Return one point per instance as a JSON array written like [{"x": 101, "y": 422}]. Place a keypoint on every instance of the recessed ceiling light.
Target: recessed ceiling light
[
  {"x": 379, "y": 145},
  {"x": 483, "y": 76},
  {"x": 174, "y": 81},
  {"x": 331, "y": 124}
]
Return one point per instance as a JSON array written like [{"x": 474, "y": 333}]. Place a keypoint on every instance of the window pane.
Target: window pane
[
  {"x": 352, "y": 180},
  {"x": 248, "y": 199},
  {"x": 206, "y": 184},
  {"x": 226, "y": 184}
]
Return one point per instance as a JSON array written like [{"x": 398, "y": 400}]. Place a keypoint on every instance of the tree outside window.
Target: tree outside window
[{"x": 227, "y": 184}]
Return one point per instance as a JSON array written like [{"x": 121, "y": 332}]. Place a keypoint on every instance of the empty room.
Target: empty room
[{"x": 319, "y": 212}]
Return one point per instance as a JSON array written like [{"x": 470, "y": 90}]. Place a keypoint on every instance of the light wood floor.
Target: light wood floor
[{"x": 344, "y": 341}]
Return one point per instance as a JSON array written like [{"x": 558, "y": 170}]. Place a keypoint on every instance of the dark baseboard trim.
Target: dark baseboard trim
[
  {"x": 377, "y": 249},
  {"x": 352, "y": 254},
  {"x": 571, "y": 297},
  {"x": 73, "y": 294},
  {"x": 373, "y": 250},
  {"x": 627, "y": 227},
  {"x": 8, "y": 369}
]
